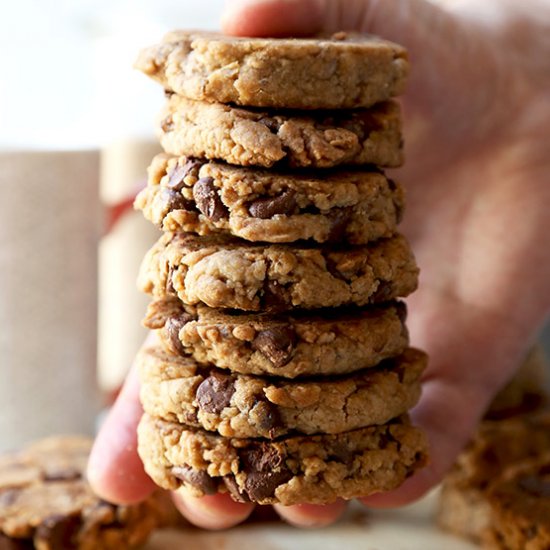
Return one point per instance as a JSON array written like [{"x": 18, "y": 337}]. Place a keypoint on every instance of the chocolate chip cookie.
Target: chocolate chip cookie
[
  {"x": 290, "y": 345},
  {"x": 198, "y": 196},
  {"x": 177, "y": 389},
  {"x": 297, "y": 469},
  {"x": 46, "y": 502},
  {"x": 299, "y": 139},
  {"x": 520, "y": 508},
  {"x": 227, "y": 273},
  {"x": 496, "y": 446},
  {"x": 345, "y": 70}
]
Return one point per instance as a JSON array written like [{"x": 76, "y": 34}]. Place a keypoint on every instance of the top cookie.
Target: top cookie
[{"x": 345, "y": 70}]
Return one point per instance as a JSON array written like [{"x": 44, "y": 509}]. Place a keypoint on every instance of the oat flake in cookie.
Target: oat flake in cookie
[
  {"x": 297, "y": 469},
  {"x": 46, "y": 503},
  {"x": 345, "y": 70}
]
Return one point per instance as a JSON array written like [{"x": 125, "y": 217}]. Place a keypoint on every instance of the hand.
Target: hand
[{"x": 478, "y": 180}]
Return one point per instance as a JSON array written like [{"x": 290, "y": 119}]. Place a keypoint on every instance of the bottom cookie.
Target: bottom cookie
[
  {"x": 292, "y": 470},
  {"x": 46, "y": 503}
]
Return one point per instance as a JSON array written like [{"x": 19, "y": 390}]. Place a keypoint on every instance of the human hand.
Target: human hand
[{"x": 477, "y": 178}]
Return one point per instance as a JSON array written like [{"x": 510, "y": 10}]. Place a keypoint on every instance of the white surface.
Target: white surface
[
  {"x": 67, "y": 70},
  {"x": 410, "y": 528}
]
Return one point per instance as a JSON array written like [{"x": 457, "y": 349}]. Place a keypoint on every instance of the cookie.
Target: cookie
[
  {"x": 520, "y": 508},
  {"x": 345, "y": 70},
  {"x": 177, "y": 389},
  {"x": 226, "y": 273},
  {"x": 295, "y": 344},
  {"x": 291, "y": 470},
  {"x": 299, "y": 139},
  {"x": 277, "y": 207},
  {"x": 46, "y": 502},
  {"x": 498, "y": 444}
]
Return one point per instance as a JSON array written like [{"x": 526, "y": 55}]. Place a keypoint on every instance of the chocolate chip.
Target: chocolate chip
[
  {"x": 271, "y": 206},
  {"x": 341, "y": 453},
  {"x": 265, "y": 470},
  {"x": 236, "y": 494},
  {"x": 272, "y": 124},
  {"x": 535, "y": 486},
  {"x": 169, "y": 285},
  {"x": 267, "y": 417},
  {"x": 173, "y": 200},
  {"x": 277, "y": 344},
  {"x": 167, "y": 125},
  {"x": 339, "y": 219},
  {"x": 214, "y": 393},
  {"x": 383, "y": 293},
  {"x": 196, "y": 478},
  {"x": 172, "y": 327},
  {"x": 59, "y": 532},
  {"x": 68, "y": 474},
  {"x": 208, "y": 201},
  {"x": 176, "y": 178},
  {"x": 7, "y": 543},
  {"x": 274, "y": 296}
]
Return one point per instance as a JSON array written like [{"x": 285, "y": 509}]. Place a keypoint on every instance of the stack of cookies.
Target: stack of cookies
[{"x": 282, "y": 372}]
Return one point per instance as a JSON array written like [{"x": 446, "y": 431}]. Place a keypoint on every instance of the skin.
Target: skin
[{"x": 477, "y": 113}]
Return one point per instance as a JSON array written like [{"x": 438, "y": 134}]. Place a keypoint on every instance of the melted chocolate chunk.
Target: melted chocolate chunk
[
  {"x": 339, "y": 219},
  {"x": 383, "y": 293},
  {"x": 236, "y": 494},
  {"x": 277, "y": 344},
  {"x": 208, "y": 201},
  {"x": 215, "y": 392},
  {"x": 342, "y": 454},
  {"x": 176, "y": 178},
  {"x": 196, "y": 478},
  {"x": 268, "y": 418},
  {"x": 272, "y": 124},
  {"x": 274, "y": 296},
  {"x": 59, "y": 532},
  {"x": 265, "y": 471},
  {"x": 172, "y": 327},
  {"x": 269, "y": 207},
  {"x": 173, "y": 200}
]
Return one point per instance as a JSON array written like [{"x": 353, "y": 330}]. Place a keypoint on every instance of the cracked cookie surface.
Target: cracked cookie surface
[
  {"x": 294, "y": 344},
  {"x": 291, "y": 470},
  {"x": 197, "y": 196},
  {"x": 345, "y": 70},
  {"x": 46, "y": 502},
  {"x": 177, "y": 389},
  {"x": 298, "y": 139},
  {"x": 228, "y": 273}
]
